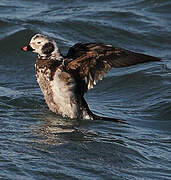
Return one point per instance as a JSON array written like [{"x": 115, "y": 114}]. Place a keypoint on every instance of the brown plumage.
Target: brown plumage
[
  {"x": 64, "y": 80},
  {"x": 93, "y": 60}
]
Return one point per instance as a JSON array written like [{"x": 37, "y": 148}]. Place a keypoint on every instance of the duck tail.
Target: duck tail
[{"x": 96, "y": 117}]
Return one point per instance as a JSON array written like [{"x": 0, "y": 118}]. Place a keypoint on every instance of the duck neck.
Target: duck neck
[{"x": 55, "y": 55}]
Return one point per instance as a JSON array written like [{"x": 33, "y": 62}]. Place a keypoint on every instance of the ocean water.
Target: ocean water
[{"x": 36, "y": 144}]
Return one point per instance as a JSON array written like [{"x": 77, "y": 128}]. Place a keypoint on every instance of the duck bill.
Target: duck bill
[{"x": 27, "y": 48}]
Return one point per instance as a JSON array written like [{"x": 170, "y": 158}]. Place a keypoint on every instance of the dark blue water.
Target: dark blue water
[{"x": 37, "y": 144}]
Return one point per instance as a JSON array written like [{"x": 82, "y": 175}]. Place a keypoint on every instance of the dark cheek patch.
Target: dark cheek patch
[{"x": 48, "y": 48}]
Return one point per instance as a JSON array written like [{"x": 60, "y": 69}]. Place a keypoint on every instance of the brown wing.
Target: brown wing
[{"x": 92, "y": 61}]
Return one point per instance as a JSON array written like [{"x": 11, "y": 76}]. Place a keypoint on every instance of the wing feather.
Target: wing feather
[{"x": 93, "y": 60}]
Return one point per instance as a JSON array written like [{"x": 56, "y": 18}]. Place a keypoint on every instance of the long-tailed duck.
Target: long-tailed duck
[{"x": 64, "y": 79}]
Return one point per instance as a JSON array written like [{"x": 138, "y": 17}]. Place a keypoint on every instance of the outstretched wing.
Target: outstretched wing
[{"x": 92, "y": 61}]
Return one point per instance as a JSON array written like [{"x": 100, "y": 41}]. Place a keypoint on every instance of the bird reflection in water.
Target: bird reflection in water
[{"x": 55, "y": 130}]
